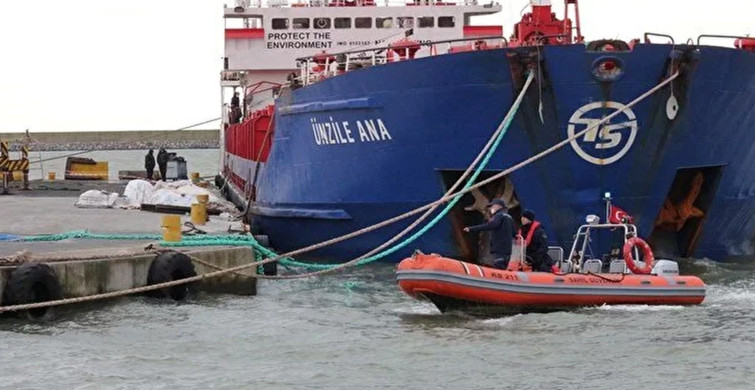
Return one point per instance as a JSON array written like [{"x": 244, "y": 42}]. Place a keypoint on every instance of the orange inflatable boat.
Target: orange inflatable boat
[
  {"x": 455, "y": 285},
  {"x": 452, "y": 284}
]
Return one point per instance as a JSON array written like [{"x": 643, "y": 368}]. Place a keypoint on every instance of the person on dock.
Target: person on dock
[
  {"x": 501, "y": 227},
  {"x": 149, "y": 164},
  {"x": 536, "y": 243},
  {"x": 162, "y": 162}
]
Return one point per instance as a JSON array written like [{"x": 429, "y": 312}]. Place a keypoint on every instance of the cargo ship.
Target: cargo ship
[{"x": 340, "y": 114}]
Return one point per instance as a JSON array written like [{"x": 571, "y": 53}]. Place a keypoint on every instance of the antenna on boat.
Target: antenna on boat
[{"x": 607, "y": 198}]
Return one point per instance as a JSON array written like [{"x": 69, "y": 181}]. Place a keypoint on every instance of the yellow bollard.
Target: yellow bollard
[
  {"x": 51, "y": 176},
  {"x": 198, "y": 213},
  {"x": 171, "y": 228},
  {"x": 203, "y": 198},
  {"x": 18, "y": 176},
  {"x": 195, "y": 177}
]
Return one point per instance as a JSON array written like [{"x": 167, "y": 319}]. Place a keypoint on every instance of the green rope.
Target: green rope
[
  {"x": 453, "y": 201},
  {"x": 262, "y": 252},
  {"x": 419, "y": 233},
  {"x": 199, "y": 240},
  {"x": 243, "y": 241},
  {"x": 83, "y": 234}
]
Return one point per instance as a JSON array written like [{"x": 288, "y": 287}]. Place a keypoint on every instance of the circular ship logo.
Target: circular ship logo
[{"x": 605, "y": 144}]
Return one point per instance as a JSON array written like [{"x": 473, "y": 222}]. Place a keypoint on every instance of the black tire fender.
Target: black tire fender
[
  {"x": 32, "y": 283},
  {"x": 167, "y": 267}
]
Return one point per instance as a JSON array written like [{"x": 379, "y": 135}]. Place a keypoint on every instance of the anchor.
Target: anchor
[{"x": 676, "y": 215}]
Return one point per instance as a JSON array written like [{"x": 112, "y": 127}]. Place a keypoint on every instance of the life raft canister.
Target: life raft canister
[{"x": 647, "y": 254}]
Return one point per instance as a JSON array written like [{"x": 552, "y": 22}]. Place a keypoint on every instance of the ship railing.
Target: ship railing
[
  {"x": 690, "y": 41},
  {"x": 735, "y": 37},
  {"x": 323, "y": 65},
  {"x": 244, "y": 4},
  {"x": 651, "y": 34}
]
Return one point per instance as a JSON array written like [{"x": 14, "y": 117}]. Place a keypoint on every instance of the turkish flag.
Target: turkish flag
[{"x": 618, "y": 215}]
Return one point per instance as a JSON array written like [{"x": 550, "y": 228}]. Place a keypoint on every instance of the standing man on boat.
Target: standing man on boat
[
  {"x": 162, "y": 162},
  {"x": 149, "y": 164},
  {"x": 536, "y": 243},
  {"x": 501, "y": 228}
]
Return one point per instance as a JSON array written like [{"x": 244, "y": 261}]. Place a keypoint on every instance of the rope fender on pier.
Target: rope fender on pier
[{"x": 453, "y": 197}]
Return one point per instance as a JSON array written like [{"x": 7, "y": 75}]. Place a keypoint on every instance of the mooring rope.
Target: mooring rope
[
  {"x": 485, "y": 155},
  {"x": 454, "y": 197},
  {"x": 481, "y": 183},
  {"x": 349, "y": 235}
]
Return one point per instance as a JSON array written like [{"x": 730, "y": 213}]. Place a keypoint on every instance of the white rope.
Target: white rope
[
  {"x": 478, "y": 185},
  {"x": 480, "y": 156}
]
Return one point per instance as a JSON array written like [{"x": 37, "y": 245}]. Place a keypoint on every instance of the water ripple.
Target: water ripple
[{"x": 359, "y": 331}]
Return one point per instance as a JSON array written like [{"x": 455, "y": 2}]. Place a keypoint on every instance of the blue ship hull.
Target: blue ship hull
[{"x": 353, "y": 150}]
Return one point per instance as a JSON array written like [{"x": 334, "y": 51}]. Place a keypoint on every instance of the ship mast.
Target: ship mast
[{"x": 541, "y": 27}]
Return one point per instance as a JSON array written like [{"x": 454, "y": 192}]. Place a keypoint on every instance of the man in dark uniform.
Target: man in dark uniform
[
  {"x": 501, "y": 228},
  {"x": 536, "y": 242},
  {"x": 149, "y": 164},
  {"x": 162, "y": 162},
  {"x": 235, "y": 108},
  {"x": 235, "y": 103}
]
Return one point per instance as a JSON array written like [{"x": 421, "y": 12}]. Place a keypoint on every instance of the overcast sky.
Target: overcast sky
[{"x": 82, "y": 65}]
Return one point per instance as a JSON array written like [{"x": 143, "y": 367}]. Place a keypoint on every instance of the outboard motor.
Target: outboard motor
[{"x": 665, "y": 268}]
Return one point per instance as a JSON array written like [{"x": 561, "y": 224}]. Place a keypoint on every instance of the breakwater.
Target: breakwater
[{"x": 115, "y": 140}]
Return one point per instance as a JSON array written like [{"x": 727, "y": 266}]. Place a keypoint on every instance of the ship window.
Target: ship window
[
  {"x": 445, "y": 21},
  {"x": 343, "y": 22},
  {"x": 363, "y": 22},
  {"x": 426, "y": 21},
  {"x": 322, "y": 23},
  {"x": 406, "y": 22},
  {"x": 384, "y": 22},
  {"x": 280, "y": 24},
  {"x": 301, "y": 23}
]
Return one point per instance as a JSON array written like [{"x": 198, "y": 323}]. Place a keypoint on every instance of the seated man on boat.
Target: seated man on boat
[
  {"x": 501, "y": 228},
  {"x": 536, "y": 243}
]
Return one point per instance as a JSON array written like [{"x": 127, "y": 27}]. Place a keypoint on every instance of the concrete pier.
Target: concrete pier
[
  {"x": 88, "y": 267},
  {"x": 79, "y": 278}
]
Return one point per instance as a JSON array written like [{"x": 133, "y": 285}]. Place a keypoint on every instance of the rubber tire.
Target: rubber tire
[
  {"x": 167, "y": 267},
  {"x": 31, "y": 283}
]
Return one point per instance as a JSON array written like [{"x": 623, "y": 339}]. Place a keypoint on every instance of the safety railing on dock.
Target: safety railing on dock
[{"x": 243, "y": 4}]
